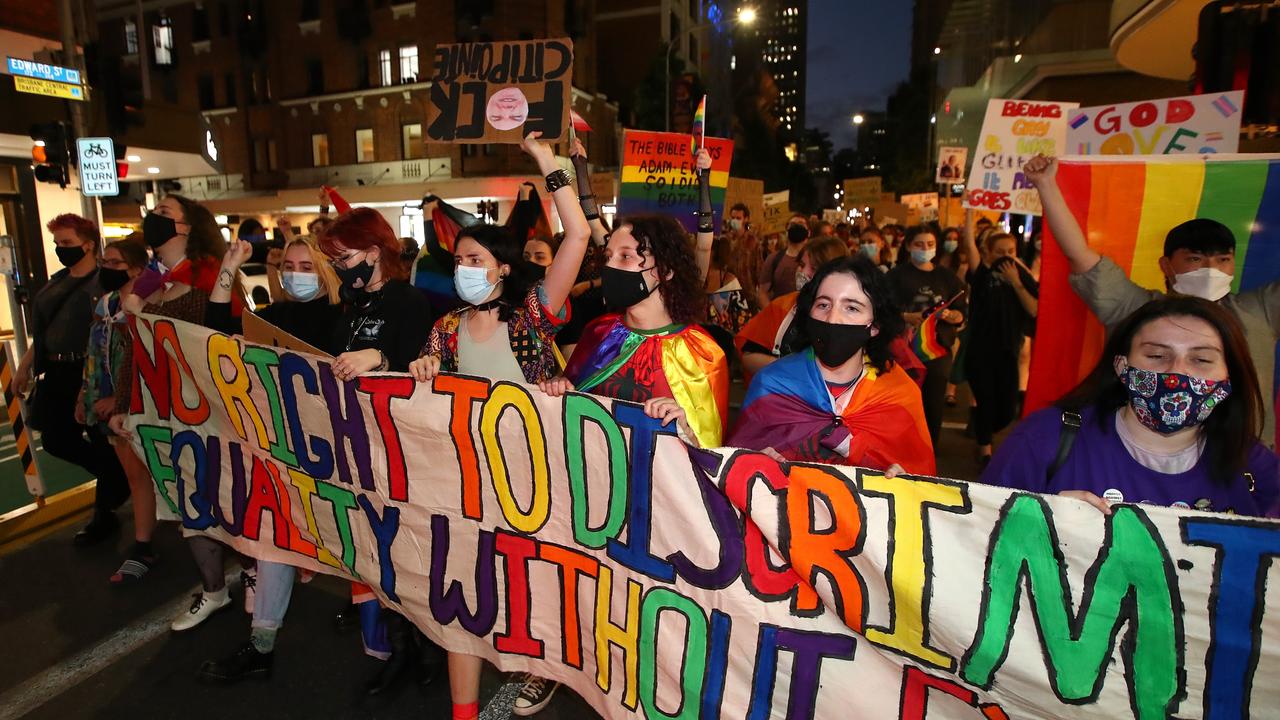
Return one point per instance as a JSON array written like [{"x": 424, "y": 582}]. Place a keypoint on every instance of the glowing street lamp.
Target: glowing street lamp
[
  {"x": 858, "y": 119},
  {"x": 747, "y": 15}
]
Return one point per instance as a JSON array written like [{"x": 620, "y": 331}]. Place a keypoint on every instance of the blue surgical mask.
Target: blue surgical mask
[
  {"x": 301, "y": 286},
  {"x": 950, "y": 245},
  {"x": 872, "y": 251},
  {"x": 920, "y": 257},
  {"x": 472, "y": 284}
]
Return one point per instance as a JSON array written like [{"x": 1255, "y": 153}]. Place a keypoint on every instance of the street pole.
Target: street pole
[{"x": 79, "y": 110}]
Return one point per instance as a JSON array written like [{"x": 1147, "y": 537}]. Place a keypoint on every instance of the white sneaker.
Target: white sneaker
[
  {"x": 534, "y": 696},
  {"x": 249, "y": 581},
  {"x": 202, "y": 606}
]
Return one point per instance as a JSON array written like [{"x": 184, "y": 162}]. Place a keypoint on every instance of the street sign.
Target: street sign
[
  {"x": 48, "y": 88},
  {"x": 41, "y": 71},
  {"x": 97, "y": 167}
]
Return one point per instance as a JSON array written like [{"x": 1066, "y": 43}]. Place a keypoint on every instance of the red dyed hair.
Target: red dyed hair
[
  {"x": 85, "y": 229},
  {"x": 362, "y": 229}
]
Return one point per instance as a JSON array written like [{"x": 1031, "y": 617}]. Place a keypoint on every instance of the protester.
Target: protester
[
  {"x": 383, "y": 328},
  {"x": 874, "y": 248},
  {"x": 1169, "y": 416},
  {"x": 1002, "y": 307},
  {"x": 762, "y": 340},
  {"x": 825, "y": 229},
  {"x": 747, "y": 252},
  {"x": 506, "y": 332},
  {"x": 727, "y": 305},
  {"x": 1199, "y": 260},
  {"x": 923, "y": 289},
  {"x": 540, "y": 251},
  {"x": 842, "y": 232},
  {"x": 188, "y": 248},
  {"x": 308, "y": 313},
  {"x": 778, "y": 276},
  {"x": 842, "y": 370}
]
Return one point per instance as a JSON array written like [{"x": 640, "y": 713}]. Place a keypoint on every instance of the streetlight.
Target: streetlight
[
  {"x": 858, "y": 119},
  {"x": 746, "y": 16},
  {"x": 937, "y": 51}
]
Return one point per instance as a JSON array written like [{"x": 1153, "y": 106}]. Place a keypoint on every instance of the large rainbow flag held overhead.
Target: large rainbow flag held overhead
[
  {"x": 1125, "y": 206},
  {"x": 659, "y": 176}
]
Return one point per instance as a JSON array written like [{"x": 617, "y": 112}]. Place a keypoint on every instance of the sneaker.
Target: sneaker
[
  {"x": 244, "y": 664},
  {"x": 249, "y": 581},
  {"x": 202, "y": 606},
  {"x": 534, "y": 696}
]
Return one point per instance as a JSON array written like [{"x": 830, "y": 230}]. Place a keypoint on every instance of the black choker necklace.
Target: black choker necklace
[{"x": 492, "y": 304}]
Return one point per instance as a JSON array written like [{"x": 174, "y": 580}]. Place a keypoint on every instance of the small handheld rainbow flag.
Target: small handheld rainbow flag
[
  {"x": 699, "y": 127},
  {"x": 925, "y": 342}
]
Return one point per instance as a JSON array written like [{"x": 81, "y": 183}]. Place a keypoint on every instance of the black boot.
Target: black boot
[
  {"x": 245, "y": 663},
  {"x": 403, "y": 655},
  {"x": 431, "y": 659}
]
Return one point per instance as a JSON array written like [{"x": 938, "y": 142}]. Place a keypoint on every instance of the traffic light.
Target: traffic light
[{"x": 52, "y": 152}]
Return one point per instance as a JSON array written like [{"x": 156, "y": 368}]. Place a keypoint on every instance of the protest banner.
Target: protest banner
[
  {"x": 498, "y": 92},
  {"x": 1125, "y": 207},
  {"x": 923, "y": 205},
  {"x": 748, "y": 192},
  {"x": 777, "y": 210},
  {"x": 1189, "y": 125},
  {"x": 1013, "y": 132},
  {"x": 860, "y": 193},
  {"x": 951, "y": 164},
  {"x": 260, "y": 331},
  {"x": 578, "y": 539},
  {"x": 659, "y": 175}
]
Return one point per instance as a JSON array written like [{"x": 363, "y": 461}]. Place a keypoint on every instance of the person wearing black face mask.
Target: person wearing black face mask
[
  {"x": 778, "y": 276},
  {"x": 62, "y": 312},
  {"x": 840, "y": 399}
]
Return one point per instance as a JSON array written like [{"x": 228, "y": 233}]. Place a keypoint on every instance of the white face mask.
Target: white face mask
[
  {"x": 472, "y": 284},
  {"x": 301, "y": 286},
  {"x": 1207, "y": 283}
]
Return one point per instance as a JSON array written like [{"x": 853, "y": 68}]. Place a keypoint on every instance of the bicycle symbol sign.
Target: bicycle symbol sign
[{"x": 98, "y": 174}]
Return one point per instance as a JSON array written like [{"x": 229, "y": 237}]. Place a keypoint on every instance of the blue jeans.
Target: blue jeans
[{"x": 271, "y": 596}]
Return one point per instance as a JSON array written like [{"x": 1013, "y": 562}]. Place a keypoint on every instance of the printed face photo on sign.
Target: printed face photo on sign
[{"x": 507, "y": 109}]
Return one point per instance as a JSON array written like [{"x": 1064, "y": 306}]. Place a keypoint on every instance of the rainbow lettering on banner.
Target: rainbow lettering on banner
[
  {"x": 1125, "y": 208},
  {"x": 659, "y": 176},
  {"x": 578, "y": 539}
]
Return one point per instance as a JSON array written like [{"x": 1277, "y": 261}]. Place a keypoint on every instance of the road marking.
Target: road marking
[{"x": 78, "y": 668}]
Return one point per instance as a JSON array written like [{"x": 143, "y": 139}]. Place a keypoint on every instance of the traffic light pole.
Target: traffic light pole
[{"x": 79, "y": 110}]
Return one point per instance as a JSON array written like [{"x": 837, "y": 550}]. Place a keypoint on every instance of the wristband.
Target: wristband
[
  {"x": 557, "y": 179},
  {"x": 592, "y": 216}
]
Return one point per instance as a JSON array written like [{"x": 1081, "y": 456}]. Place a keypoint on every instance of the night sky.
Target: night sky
[{"x": 859, "y": 50}]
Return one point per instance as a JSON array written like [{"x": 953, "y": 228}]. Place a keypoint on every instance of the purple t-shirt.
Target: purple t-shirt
[{"x": 1099, "y": 463}]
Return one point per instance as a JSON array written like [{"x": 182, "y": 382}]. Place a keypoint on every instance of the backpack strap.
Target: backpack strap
[{"x": 1070, "y": 429}]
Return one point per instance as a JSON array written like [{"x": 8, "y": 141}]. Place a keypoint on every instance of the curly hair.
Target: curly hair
[
  {"x": 885, "y": 313},
  {"x": 205, "y": 240},
  {"x": 672, "y": 249}
]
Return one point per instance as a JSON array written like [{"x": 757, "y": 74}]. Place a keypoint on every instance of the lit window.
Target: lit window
[
  {"x": 319, "y": 149},
  {"x": 364, "y": 145},
  {"x": 162, "y": 33},
  {"x": 130, "y": 37},
  {"x": 412, "y": 141},
  {"x": 408, "y": 63},
  {"x": 384, "y": 67}
]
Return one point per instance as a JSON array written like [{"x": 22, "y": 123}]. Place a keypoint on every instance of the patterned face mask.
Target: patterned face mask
[{"x": 1169, "y": 402}]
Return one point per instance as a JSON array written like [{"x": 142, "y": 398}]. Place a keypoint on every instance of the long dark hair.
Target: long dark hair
[
  {"x": 1232, "y": 428},
  {"x": 672, "y": 250},
  {"x": 204, "y": 241},
  {"x": 507, "y": 249},
  {"x": 885, "y": 313}
]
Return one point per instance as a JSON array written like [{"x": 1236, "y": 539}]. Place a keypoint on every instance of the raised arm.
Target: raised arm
[
  {"x": 564, "y": 268},
  {"x": 706, "y": 229},
  {"x": 972, "y": 257},
  {"x": 586, "y": 198},
  {"x": 1042, "y": 172}
]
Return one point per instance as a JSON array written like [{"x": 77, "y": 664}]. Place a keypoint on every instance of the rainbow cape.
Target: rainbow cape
[
  {"x": 693, "y": 364},
  {"x": 924, "y": 341},
  {"x": 788, "y": 405},
  {"x": 1125, "y": 206},
  {"x": 699, "y": 125}
]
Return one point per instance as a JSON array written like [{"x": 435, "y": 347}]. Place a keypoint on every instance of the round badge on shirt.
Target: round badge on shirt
[{"x": 1113, "y": 495}]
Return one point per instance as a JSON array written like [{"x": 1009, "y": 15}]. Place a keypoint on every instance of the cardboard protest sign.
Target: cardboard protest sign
[
  {"x": 748, "y": 192},
  {"x": 659, "y": 176},
  {"x": 580, "y": 540},
  {"x": 951, "y": 164},
  {"x": 1013, "y": 132},
  {"x": 862, "y": 192},
  {"x": 1189, "y": 125},
  {"x": 776, "y": 212},
  {"x": 262, "y": 332},
  {"x": 498, "y": 92},
  {"x": 602, "y": 186},
  {"x": 923, "y": 205},
  {"x": 833, "y": 216}
]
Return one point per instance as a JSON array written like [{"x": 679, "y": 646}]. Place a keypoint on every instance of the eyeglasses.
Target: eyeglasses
[{"x": 342, "y": 263}]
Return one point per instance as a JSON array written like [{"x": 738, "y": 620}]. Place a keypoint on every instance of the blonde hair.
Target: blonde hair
[{"x": 320, "y": 262}]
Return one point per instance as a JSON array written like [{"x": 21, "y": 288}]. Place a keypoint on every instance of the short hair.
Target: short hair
[
  {"x": 362, "y": 229},
  {"x": 824, "y": 250},
  {"x": 1200, "y": 235},
  {"x": 132, "y": 250},
  {"x": 85, "y": 229},
  {"x": 885, "y": 313},
  {"x": 742, "y": 208}
]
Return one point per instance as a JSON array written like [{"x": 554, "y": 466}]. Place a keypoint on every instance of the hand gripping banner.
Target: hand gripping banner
[{"x": 576, "y": 539}]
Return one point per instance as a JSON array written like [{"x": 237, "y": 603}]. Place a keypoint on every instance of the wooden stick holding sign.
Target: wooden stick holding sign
[{"x": 499, "y": 92}]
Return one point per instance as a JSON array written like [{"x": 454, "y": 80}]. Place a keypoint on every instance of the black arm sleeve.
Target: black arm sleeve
[
  {"x": 218, "y": 317},
  {"x": 704, "y": 202}
]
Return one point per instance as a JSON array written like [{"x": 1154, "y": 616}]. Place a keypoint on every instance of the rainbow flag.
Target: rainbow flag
[
  {"x": 925, "y": 342},
  {"x": 659, "y": 176},
  {"x": 1125, "y": 206},
  {"x": 699, "y": 125}
]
